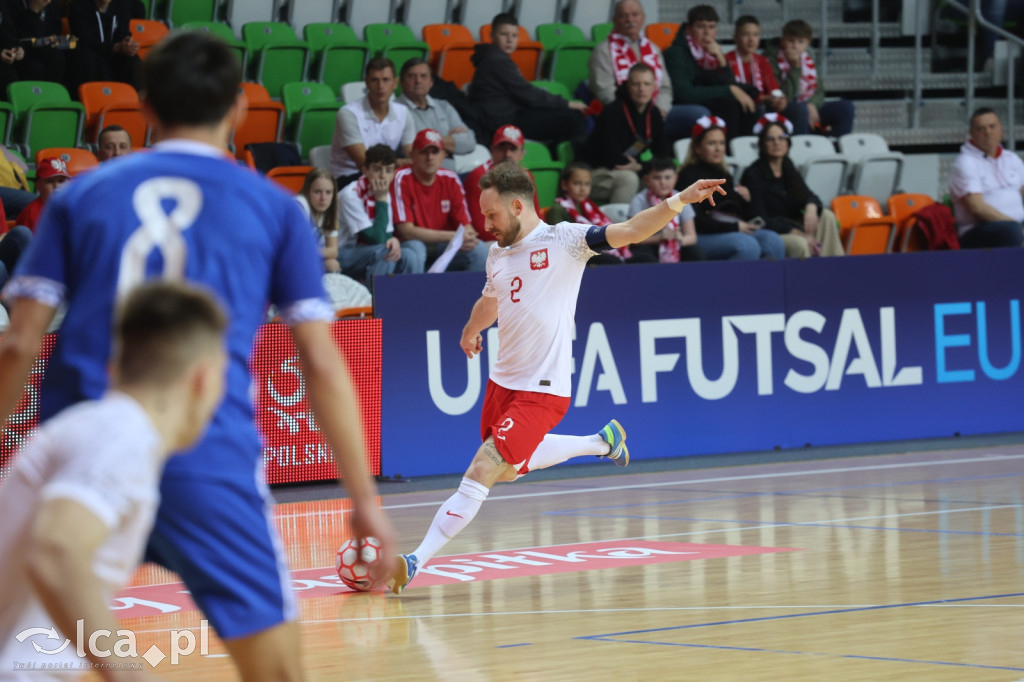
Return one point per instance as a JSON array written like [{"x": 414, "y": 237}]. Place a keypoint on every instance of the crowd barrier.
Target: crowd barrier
[
  {"x": 294, "y": 448},
  {"x": 704, "y": 358}
]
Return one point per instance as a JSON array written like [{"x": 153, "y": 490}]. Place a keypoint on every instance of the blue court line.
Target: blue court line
[
  {"x": 783, "y": 523},
  {"x": 798, "y": 492},
  {"x": 802, "y": 615},
  {"x": 510, "y": 646},
  {"x": 817, "y": 653}
]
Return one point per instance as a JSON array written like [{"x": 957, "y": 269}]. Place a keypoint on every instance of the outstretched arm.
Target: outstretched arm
[{"x": 647, "y": 222}]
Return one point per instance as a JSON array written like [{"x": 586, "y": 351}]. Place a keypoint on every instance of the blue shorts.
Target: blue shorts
[{"x": 219, "y": 536}]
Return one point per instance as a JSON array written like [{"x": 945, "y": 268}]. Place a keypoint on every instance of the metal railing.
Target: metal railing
[{"x": 974, "y": 19}]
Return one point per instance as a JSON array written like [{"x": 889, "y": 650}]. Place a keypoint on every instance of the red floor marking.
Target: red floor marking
[{"x": 147, "y": 600}]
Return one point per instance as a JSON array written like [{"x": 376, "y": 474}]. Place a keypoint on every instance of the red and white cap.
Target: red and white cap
[
  {"x": 705, "y": 123},
  {"x": 427, "y": 138},
  {"x": 508, "y": 135},
  {"x": 52, "y": 168}
]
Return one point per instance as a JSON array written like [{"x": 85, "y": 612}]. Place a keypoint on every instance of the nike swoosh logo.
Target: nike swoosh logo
[{"x": 449, "y": 513}]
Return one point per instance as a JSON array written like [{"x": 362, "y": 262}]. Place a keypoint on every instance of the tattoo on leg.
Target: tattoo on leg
[{"x": 492, "y": 453}]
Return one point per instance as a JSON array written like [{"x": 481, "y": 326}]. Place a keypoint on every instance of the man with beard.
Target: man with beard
[{"x": 533, "y": 279}]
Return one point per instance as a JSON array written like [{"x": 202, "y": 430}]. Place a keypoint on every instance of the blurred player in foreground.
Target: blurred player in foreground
[
  {"x": 187, "y": 210},
  {"x": 533, "y": 281},
  {"x": 81, "y": 498}
]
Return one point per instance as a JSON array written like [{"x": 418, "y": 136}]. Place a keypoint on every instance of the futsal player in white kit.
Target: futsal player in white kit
[
  {"x": 533, "y": 280},
  {"x": 80, "y": 500}
]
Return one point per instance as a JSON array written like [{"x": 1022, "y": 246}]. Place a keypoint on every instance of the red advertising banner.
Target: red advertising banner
[{"x": 293, "y": 446}]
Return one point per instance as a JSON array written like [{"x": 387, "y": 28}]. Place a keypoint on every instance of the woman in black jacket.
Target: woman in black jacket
[
  {"x": 503, "y": 96},
  {"x": 780, "y": 196},
  {"x": 729, "y": 230}
]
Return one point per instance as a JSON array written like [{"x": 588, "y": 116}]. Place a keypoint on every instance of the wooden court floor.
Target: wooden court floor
[{"x": 896, "y": 567}]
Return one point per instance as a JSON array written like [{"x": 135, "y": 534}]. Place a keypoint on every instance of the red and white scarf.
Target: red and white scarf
[
  {"x": 623, "y": 57},
  {"x": 589, "y": 212},
  {"x": 654, "y": 200},
  {"x": 736, "y": 64},
  {"x": 808, "y": 74},
  {"x": 366, "y": 196},
  {"x": 704, "y": 59},
  {"x": 668, "y": 249}
]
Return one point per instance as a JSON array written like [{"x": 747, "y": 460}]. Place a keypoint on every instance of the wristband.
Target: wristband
[{"x": 675, "y": 203}]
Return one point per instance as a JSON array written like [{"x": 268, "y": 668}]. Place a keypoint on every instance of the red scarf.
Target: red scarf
[
  {"x": 741, "y": 74},
  {"x": 363, "y": 192},
  {"x": 808, "y": 75},
  {"x": 623, "y": 58},
  {"x": 668, "y": 249},
  {"x": 704, "y": 59}
]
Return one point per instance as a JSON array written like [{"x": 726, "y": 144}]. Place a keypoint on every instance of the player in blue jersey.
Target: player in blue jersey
[{"x": 187, "y": 210}]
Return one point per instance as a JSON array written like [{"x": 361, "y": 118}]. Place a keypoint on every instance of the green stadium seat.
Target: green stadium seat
[
  {"x": 554, "y": 87},
  {"x": 224, "y": 32},
  {"x": 44, "y": 115},
  {"x": 553, "y": 36},
  {"x": 546, "y": 176},
  {"x": 276, "y": 55},
  {"x": 181, "y": 12},
  {"x": 339, "y": 56},
  {"x": 297, "y": 95},
  {"x": 394, "y": 41},
  {"x": 320, "y": 35},
  {"x": 565, "y": 153},
  {"x": 315, "y": 126},
  {"x": 601, "y": 32},
  {"x": 570, "y": 65},
  {"x": 535, "y": 152}
]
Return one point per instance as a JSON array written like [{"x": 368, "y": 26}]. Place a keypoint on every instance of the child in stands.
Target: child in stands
[{"x": 677, "y": 241}]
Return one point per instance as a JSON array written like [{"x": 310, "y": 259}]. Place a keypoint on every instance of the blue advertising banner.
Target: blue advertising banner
[{"x": 704, "y": 358}]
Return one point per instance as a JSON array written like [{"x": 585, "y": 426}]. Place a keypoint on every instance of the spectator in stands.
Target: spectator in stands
[
  {"x": 575, "y": 205},
  {"x": 14, "y": 192},
  {"x": 986, "y": 185},
  {"x": 11, "y": 50},
  {"x": 700, "y": 73},
  {"x": 113, "y": 141},
  {"x": 751, "y": 68},
  {"x": 779, "y": 195},
  {"x": 375, "y": 119},
  {"x": 506, "y": 146},
  {"x": 677, "y": 241},
  {"x": 319, "y": 201},
  {"x": 626, "y": 45},
  {"x": 51, "y": 173},
  {"x": 795, "y": 71},
  {"x": 504, "y": 97},
  {"x": 436, "y": 114},
  {"x": 367, "y": 242},
  {"x": 430, "y": 206},
  {"x": 625, "y": 129},
  {"x": 38, "y": 26},
  {"x": 728, "y": 230},
  {"x": 106, "y": 50}
]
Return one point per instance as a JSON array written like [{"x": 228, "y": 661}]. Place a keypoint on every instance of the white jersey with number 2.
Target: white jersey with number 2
[{"x": 536, "y": 282}]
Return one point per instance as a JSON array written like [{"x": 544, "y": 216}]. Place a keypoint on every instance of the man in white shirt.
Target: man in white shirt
[
  {"x": 375, "y": 119},
  {"x": 81, "y": 498},
  {"x": 987, "y": 186},
  {"x": 435, "y": 114},
  {"x": 367, "y": 245},
  {"x": 533, "y": 279}
]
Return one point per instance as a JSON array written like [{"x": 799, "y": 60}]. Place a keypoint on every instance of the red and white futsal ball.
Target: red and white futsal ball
[{"x": 354, "y": 562}]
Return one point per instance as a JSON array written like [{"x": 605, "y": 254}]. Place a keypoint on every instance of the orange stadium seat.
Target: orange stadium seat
[
  {"x": 863, "y": 228},
  {"x": 99, "y": 97},
  {"x": 147, "y": 34},
  {"x": 264, "y": 121},
  {"x": 77, "y": 160},
  {"x": 437, "y": 36},
  {"x": 902, "y": 208},
  {"x": 290, "y": 177},
  {"x": 662, "y": 34},
  {"x": 455, "y": 65}
]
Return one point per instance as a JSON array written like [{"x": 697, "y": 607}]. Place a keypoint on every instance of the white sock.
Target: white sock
[
  {"x": 454, "y": 515},
  {"x": 555, "y": 449}
]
